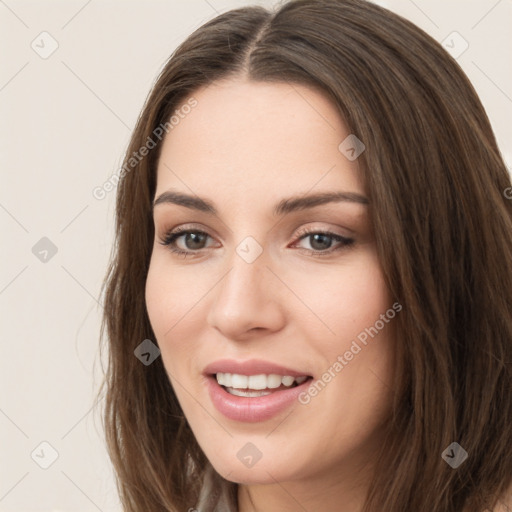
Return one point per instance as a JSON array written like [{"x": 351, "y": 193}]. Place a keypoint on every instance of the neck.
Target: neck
[{"x": 334, "y": 491}]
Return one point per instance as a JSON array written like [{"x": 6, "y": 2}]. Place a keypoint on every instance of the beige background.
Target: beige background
[{"x": 65, "y": 121}]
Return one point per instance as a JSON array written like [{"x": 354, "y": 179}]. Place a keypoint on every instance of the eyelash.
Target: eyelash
[{"x": 170, "y": 238}]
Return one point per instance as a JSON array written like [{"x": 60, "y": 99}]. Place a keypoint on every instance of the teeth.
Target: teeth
[
  {"x": 247, "y": 393},
  {"x": 287, "y": 381},
  {"x": 257, "y": 382},
  {"x": 239, "y": 381},
  {"x": 273, "y": 381}
]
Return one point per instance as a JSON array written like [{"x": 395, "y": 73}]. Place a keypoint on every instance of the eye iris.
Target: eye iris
[
  {"x": 324, "y": 241},
  {"x": 197, "y": 240}
]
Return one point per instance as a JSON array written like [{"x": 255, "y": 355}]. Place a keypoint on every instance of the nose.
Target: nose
[{"x": 246, "y": 302}]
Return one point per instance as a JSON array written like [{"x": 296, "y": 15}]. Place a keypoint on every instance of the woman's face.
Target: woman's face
[{"x": 274, "y": 280}]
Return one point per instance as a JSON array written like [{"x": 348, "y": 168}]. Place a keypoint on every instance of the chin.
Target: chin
[
  {"x": 235, "y": 464},
  {"x": 252, "y": 476}
]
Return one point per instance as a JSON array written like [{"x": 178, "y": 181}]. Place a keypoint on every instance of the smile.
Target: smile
[{"x": 257, "y": 385}]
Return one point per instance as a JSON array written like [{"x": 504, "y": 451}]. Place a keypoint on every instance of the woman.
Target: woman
[{"x": 309, "y": 306}]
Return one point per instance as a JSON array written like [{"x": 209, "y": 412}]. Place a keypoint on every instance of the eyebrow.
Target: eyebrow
[{"x": 291, "y": 204}]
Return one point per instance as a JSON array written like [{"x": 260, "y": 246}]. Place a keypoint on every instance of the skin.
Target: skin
[{"x": 244, "y": 147}]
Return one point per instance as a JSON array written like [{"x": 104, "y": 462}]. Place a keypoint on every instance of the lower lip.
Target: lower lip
[{"x": 246, "y": 409}]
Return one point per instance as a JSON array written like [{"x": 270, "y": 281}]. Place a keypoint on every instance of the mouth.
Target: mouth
[
  {"x": 253, "y": 391},
  {"x": 254, "y": 386}
]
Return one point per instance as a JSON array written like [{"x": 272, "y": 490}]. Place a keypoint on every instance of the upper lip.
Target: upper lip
[{"x": 251, "y": 367}]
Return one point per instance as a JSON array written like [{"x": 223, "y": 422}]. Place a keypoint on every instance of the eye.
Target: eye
[
  {"x": 191, "y": 241},
  {"x": 187, "y": 242},
  {"x": 322, "y": 242}
]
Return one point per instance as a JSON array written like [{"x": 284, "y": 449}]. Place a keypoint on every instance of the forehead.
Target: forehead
[{"x": 257, "y": 136}]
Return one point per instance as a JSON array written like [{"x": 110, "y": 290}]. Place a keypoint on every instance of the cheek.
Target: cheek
[
  {"x": 161, "y": 298},
  {"x": 171, "y": 294},
  {"x": 347, "y": 299},
  {"x": 171, "y": 301},
  {"x": 358, "y": 350}
]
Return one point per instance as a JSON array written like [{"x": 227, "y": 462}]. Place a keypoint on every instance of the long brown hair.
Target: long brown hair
[{"x": 443, "y": 229}]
